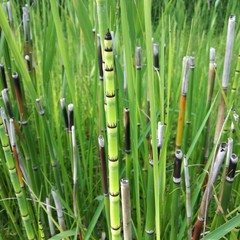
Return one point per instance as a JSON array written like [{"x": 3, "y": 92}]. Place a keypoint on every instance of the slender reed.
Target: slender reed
[
  {"x": 225, "y": 76},
  {"x": 148, "y": 28},
  {"x": 126, "y": 209},
  {"x": 216, "y": 166},
  {"x": 26, "y": 29},
  {"x": 235, "y": 84},
  {"x": 3, "y": 77},
  {"x": 176, "y": 194},
  {"x": 10, "y": 16},
  {"x": 64, "y": 111},
  {"x": 138, "y": 76},
  {"x": 188, "y": 198},
  {"x": 112, "y": 133},
  {"x": 181, "y": 115}
]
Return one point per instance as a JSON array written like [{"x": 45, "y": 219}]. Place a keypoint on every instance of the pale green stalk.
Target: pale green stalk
[
  {"x": 148, "y": 29},
  {"x": 49, "y": 214}
]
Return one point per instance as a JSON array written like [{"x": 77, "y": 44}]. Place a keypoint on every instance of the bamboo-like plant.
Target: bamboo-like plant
[{"x": 112, "y": 133}]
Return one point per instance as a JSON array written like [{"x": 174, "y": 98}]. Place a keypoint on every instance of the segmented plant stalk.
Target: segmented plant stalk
[
  {"x": 126, "y": 209},
  {"x": 149, "y": 233},
  {"x": 225, "y": 77},
  {"x": 127, "y": 142},
  {"x": 227, "y": 190},
  {"x": 188, "y": 198},
  {"x": 189, "y": 106},
  {"x": 183, "y": 98},
  {"x": 216, "y": 166},
  {"x": 176, "y": 194},
  {"x": 7, "y": 103},
  {"x": 104, "y": 181},
  {"x": 103, "y": 22},
  {"x": 22, "y": 203},
  {"x": 112, "y": 135},
  {"x": 60, "y": 215},
  {"x": 49, "y": 213}
]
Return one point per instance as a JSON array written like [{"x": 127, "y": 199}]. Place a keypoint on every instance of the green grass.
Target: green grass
[{"x": 64, "y": 60}]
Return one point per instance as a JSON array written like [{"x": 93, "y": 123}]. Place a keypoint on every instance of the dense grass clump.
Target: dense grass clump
[{"x": 119, "y": 119}]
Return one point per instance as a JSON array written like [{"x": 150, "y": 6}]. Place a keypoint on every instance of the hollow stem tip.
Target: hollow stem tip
[
  {"x": 156, "y": 56},
  {"x": 232, "y": 168}
]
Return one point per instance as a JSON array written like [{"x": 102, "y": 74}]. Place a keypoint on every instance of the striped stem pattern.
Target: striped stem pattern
[{"x": 112, "y": 136}]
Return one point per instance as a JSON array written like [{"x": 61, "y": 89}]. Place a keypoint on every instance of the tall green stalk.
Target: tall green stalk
[
  {"x": 148, "y": 29},
  {"x": 112, "y": 135}
]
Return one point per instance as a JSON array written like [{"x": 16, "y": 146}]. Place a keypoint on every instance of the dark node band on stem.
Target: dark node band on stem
[
  {"x": 116, "y": 229},
  {"x": 6, "y": 102},
  {"x": 108, "y": 36},
  {"x": 150, "y": 232},
  {"x": 3, "y": 76},
  {"x": 112, "y": 126},
  {"x": 114, "y": 194},
  {"x": 113, "y": 159},
  {"x": 110, "y": 95}
]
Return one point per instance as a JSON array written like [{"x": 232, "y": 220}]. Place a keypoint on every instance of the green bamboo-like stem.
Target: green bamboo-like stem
[
  {"x": 226, "y": 194},
  {"x": 23, "y": 205},
  {"x": 138, "y": 77},
  {"x": 176, "y": 195},
  {"x": 103, "y": 22},
  {"x": 127, "y": 143},
  {"x": 216, "y": 166},
  {"x": 112, "y": 135},
  {"x": 148, "y": 29},
  {"x": 225, "y": 77},
  {"x": 26, "y": 30},
  {"x": 126, "y": 209},
  {"x": 150, "y": 214},
  {"x": 104, "y": 181},
  {"x": 181, "y": 115},
  {"x": 189, "y": 107}
]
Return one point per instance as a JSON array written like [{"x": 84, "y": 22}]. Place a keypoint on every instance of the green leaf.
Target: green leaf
[{"x": 224, "y": 229}]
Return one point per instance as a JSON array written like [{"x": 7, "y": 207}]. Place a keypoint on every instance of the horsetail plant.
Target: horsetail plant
[
  {"x": 64, "y": 112},
  {"x": 235, "y": 84},
  {"x": 225, "y": 76},
  {"x": 112, "y": 133},
  {"x": 3, "y": 77},
  {"x": 49, "y": 214},
  {"x": 23, "y": 205}
]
